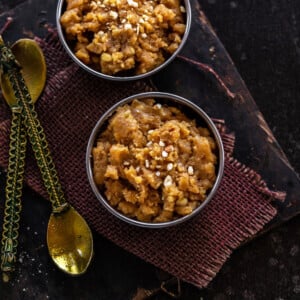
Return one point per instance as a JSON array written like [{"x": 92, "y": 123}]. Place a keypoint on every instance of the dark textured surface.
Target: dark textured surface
[{"x": 262, "y": 38}]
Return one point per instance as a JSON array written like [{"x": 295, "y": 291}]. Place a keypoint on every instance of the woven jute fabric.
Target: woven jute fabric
[{"x": 69, "y": 108}]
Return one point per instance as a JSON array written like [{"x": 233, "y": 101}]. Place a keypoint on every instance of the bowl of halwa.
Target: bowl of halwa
[
  {"x": 123, "y": 39},
  {"x": 154, "y": 159}
]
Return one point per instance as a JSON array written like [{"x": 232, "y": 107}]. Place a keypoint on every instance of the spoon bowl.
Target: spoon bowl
[
  {"x": 68, "y": 241},
  {"x": 33, "y": 69}
]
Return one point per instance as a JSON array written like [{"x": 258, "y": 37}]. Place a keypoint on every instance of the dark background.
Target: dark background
[{"x": 263, "y": 40}]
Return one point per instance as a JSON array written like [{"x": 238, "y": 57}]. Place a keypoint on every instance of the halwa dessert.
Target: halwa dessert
[
  {"x": 153, "y": 163},
  {"x": 113, "y": 36}
]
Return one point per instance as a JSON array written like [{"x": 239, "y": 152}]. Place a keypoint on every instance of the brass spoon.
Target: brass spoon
[
  {"x": 23, "y": 51},
  {"x": 69, "y": 239}
]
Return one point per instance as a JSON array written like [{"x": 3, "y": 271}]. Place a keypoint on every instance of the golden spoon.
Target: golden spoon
[
  {"x": 69, "y": 238},
  {"x": 23, "y": 52}
]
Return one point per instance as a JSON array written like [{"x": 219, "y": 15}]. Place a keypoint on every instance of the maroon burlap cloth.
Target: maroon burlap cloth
[{"x": 195, "y": 251}]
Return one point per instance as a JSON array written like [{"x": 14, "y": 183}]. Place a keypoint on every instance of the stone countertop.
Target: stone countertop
[{"x": 263, "y": 40}]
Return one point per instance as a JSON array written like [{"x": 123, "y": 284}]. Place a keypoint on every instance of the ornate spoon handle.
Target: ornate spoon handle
[
  {"x": 13, "y": 193},
  {"x": 39, "y": 143},
  {"x": 11, "y": 69}
]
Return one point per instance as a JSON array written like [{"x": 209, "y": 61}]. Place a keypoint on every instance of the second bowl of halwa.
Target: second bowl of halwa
[
  {"x": 123, "y": 39},
  {"x": 155, "y": 159}
]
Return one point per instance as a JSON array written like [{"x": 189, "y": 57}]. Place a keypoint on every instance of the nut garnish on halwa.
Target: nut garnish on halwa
[
  {"x": 119, "y": 35},
  {"x": 153, "y": 163}
]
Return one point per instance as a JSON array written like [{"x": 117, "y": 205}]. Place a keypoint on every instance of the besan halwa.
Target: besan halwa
[
  {"x": 113, "y": 36},
  {"x": 152, "y": 163}
]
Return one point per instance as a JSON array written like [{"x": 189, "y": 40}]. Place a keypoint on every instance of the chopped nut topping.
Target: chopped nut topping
[
  {"x": 132, "y": 3},
  {"x": 126, "y": 163},
  {"x": 169, "y": 166},
  {"x": 168, "y": 181},
  {"x": 161, "y": 143},
  {"x": 147, "y": 164},
  {"x": 113, "y": 14},
  {"x": 164, "y": 153},
  {"x": 157, "y": 173},
  {"x": 190, "y": 170},
  {"x": 127, "y": 26}
]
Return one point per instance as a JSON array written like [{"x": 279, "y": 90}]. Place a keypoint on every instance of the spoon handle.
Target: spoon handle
[
  {"x": 37, "y": 138},
  {"x": 39, "y": 143},
  {"x": 13, "y": 193}
]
